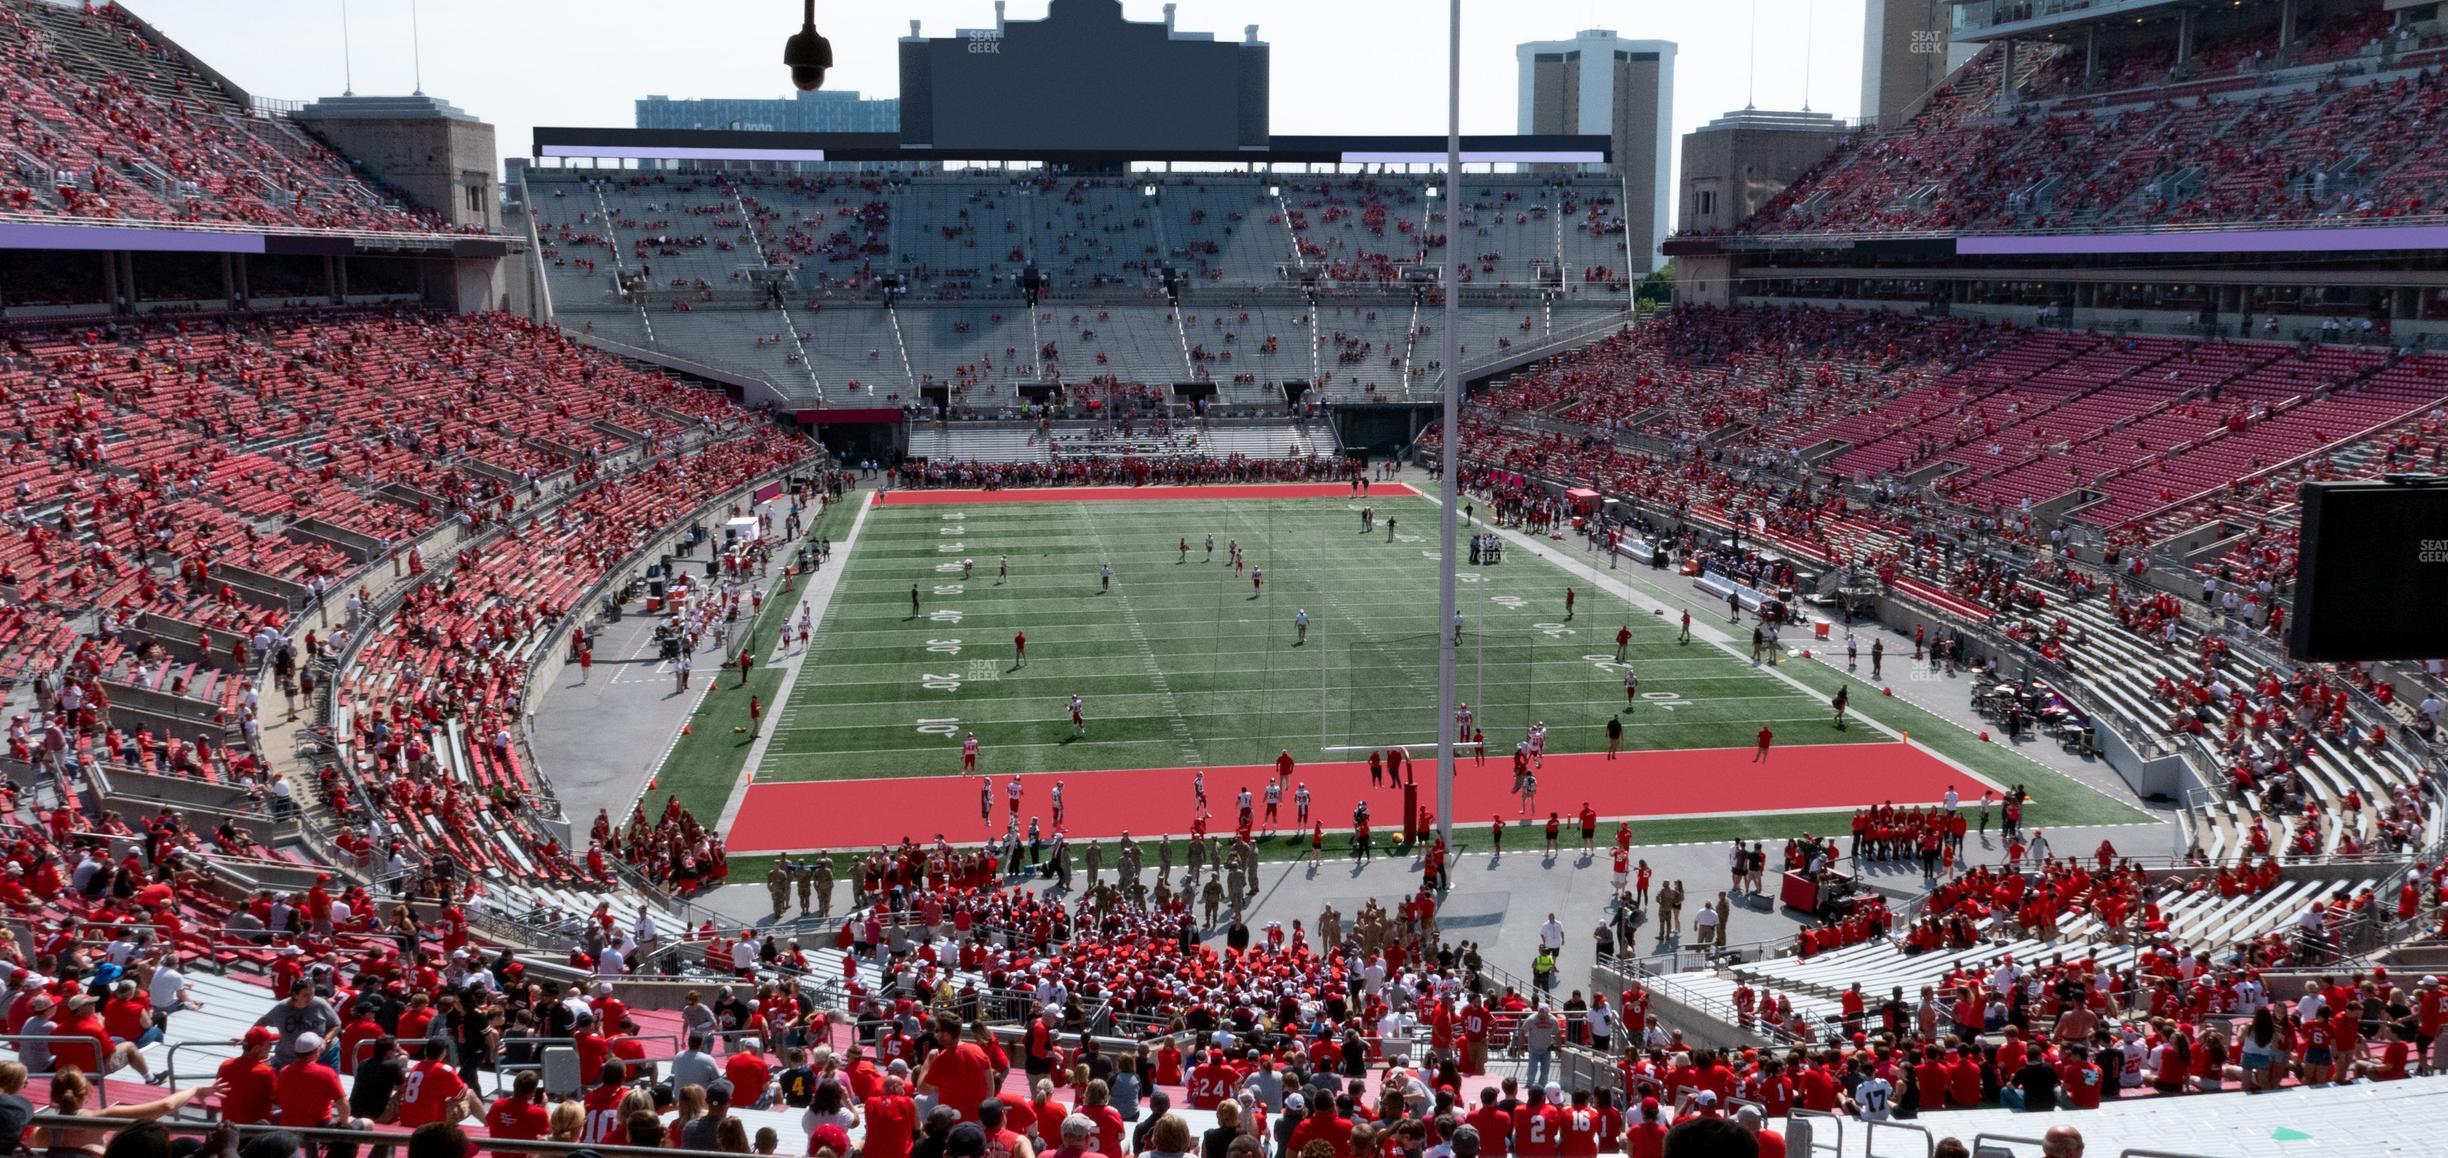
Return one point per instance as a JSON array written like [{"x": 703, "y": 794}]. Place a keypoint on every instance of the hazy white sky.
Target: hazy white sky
[{"x": 1361, "y": 66}]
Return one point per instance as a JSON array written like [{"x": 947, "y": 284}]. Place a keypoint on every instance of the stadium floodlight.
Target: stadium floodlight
[
  {"x": 1147, "y": 190},
  {"x": 808, "y": 54},
  {"x": 1274, "y": 190}
]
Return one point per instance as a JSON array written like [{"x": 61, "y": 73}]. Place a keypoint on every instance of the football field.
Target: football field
[
  {"x": 1183, "y": 661},
  {"x": 1188, "y": 667}
]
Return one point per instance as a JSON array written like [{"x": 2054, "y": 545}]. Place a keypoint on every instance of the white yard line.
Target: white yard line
[
  {"x": 1711, "y": 634},
  {"x": 814, "y": 597}
]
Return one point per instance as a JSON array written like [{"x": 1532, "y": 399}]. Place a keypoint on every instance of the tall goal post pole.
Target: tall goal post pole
[{"x": 1453, "y": 433}]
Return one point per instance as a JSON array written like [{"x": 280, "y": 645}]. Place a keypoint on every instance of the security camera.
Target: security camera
[{"x": 808, "y": 54}]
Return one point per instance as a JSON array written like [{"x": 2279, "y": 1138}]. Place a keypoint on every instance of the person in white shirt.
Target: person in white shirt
[
  {"x": 168, "y": 991},
  {"x": 644, "y": 930},
  {"x": 612, "y": 962},
  {"x": 1551, "y": 934},
  {"x": 1875, "y": 1099}
]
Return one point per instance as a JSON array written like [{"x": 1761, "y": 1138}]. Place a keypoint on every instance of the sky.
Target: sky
[{"x": 1339, "y": 66}]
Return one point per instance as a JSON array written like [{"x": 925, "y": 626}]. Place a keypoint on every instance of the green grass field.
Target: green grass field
[
  {"x": 1180, "y": 666},
  {"x": 1183, "y": 663}
]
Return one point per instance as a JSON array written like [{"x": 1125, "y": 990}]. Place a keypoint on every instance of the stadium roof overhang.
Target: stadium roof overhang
[
  {"x": 134, "y": 236},
  {"x": 2338, "y": 239},
  {"x": 2044, "y": 20},
  {"x": 888, "y": 149}
]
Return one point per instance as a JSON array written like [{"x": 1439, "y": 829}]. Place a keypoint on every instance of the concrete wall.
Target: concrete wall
[
  {"x": 444, "y": 164},
  {"x": 1704, "y": 281},
  {"x": 1742, "y": 169},
  {"x": 1643, "y": 128},
  {"x": 1905, "y": 54}
]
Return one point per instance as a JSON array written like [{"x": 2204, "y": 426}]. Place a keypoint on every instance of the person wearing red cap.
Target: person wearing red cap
[
  {"x": 1645, "y": 1131},
  {"x": 250, "y": 1078}
]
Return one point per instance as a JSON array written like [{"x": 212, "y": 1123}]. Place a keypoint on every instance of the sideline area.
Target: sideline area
[{"x": 781, "y": 816}]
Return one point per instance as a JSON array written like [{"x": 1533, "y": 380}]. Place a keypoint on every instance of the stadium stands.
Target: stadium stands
[
  {"x": 106, "y": 124},
  {"x": 2231, "y": 143},
  {"x": 692, "y": 245}
]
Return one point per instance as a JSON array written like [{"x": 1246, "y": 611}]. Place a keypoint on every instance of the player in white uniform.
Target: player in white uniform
[
  {"x": 969, "y": 750},
  {"x": 1300, "y": 804},
  {"x": 1274, "y": 802}
]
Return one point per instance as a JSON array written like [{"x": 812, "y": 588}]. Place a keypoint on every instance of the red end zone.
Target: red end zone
[
  {"x": 936, "y": 498},
  {"x": 790, "y": 815}
]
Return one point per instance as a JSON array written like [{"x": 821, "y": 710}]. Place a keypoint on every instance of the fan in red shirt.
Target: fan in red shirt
[
  {"x": 433, "y": 1091},
  {"x": 603, "y": 1112},
  {"x": 1580, "y": 1130},
  {"x": 307, "y": 1091},
  {"x": 892, "y": 1122},
  {"x": 958, "y": 1073},
  {"x": 1495, "y": 1126},
  {"x": 1645, "y": 1131},
  {"x": 748, "y": 1072},
  {"x": 1534, "y": 1127},
  {"x": 1325, "y": 1124},
  {"x": 251, "y": 1080},
  {"x": 1212, "y": 1082},
  {"x": 518, "y": 1116}
]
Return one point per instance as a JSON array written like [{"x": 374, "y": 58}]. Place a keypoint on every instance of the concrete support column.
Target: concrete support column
[
  {"x": 127, "y": 281},
  {"x": 2184, "y": 37},
  {"x": 229, "y": 281},
  {"x": 2090, "y": 54},
  {"x": 2006, "y": 83}
]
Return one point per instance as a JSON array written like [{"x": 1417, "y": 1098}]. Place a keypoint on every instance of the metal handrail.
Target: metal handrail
[
  {"x": 1929, "y": 1141},
  {"x": 195, "y": 1128},
  {"x": 1814, "y": 1116},
  {"x": 13, "y": 1044},
  {"x": 2017, "y": 1139}
]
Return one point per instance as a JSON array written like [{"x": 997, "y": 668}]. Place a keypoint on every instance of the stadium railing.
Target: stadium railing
[
  {"x": 185, "y": 1127},
  {"x": 1929, "y": 1141}
]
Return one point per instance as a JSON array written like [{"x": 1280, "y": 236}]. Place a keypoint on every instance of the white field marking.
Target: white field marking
[
  {"x": 815, "y": 596},
  {"x": 1147, "y": 660},
  {"x": 1709, "y": 633}
]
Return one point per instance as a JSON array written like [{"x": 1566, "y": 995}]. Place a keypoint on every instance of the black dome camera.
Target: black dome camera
[{"x": 808, "y": 54}]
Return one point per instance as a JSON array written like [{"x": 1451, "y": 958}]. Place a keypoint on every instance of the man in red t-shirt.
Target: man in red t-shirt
[
  {"x": 892, "y": 1122},
  {"x": 251, "y": 1079},
  {"x": 749, "y": 1073},
  {"x": 434, "y": 1092},
  {"x": 518, "y": 1116},
  {"x": 1645, "y": 1129},
  {"x": 307, "y": 1091},
  {"x": 958, "y": 1073},
  {"x": 1325, "y": 1123},
  {"x": 1495, "y": 1126}
]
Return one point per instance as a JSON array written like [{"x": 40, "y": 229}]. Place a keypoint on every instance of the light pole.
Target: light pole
[{"x": 1453, "y": 427}]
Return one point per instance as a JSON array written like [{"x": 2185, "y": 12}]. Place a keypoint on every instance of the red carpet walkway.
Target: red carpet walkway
[
  {"x": 938, "y": 498},
  {"x": 790, "y": 815}
]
